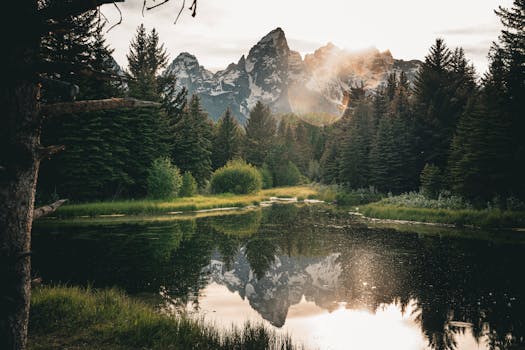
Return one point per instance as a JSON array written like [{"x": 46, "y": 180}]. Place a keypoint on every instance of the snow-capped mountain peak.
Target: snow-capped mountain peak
[{"x": 279, "y": 77}]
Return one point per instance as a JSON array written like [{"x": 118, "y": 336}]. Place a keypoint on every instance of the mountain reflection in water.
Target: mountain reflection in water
[{"x": 330, "y": 282}]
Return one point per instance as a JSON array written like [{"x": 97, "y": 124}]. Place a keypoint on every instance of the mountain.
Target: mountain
[
  {"x": 285, "y": 81},
  {"x": 286, "y": 282}
]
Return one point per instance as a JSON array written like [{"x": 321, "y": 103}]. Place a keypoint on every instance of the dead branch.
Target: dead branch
[
  {"x": 36, "y": 282},
  {"x": 47, "y": 152},
  {"x": 180, "y": 11},
  {"x": 47, "y": 209},
  {"x": 119, "y": 21},
  {"x": 58, "y": 11},
  {"x": 60, "y": 108},
  {"x": 157, "y": 5},
  {"x": 193, "y": 8}
]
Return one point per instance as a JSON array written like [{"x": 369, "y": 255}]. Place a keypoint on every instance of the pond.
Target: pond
[{"x": 327, "y": 280}]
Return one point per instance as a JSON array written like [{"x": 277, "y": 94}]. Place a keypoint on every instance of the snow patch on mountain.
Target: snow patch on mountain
[
  {"x": 286, "y": 282},
  {"x": 281, "y": 78}
]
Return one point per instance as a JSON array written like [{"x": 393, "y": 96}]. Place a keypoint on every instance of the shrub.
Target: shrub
[
  {"x": 314, "y": 170},
  {"x": 326, "y": 193},
  {"x": 236, "y": 177},
  {"x": 287, "y": 174},
  {"x": 418, "y": 200},
  {"x": 357, "y": 197},
  {"x": 431, "y": 180},
  {"x": 163, "y": 180},
  {"x": 267, "y": 178},
  {"x": 189, "y": 185}
]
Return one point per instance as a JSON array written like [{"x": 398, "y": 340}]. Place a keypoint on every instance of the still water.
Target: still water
[{"x": 329, "y": 281}]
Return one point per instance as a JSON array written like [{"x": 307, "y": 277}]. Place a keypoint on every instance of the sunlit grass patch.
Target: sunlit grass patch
[
  {"x": 77, "y": 318},
  {"x": 458, "y": 217},
  {"x": 199, "y": 202}
]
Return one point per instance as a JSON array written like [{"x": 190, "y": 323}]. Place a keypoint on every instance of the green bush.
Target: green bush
[
  {"x": 314, "y": 170},
  {"x": 189, "y": 185},
  {"x": 418, "y": 200},
  {"x": 163, "y": 180},
  {"x": 287, "y": 174},
  {"x": 357, "y": 197},
  {"x": 267, "y": 178},
  {"x": 236, "y": 177},
  {"x": 431, "y": 180}
]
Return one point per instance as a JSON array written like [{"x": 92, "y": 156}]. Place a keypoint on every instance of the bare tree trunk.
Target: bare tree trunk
[{"x": 19, "y": 161}]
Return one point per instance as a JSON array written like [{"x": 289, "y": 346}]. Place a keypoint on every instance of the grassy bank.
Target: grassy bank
[
  {"x": 152, "y": 207},
  {"x": 414, "y": 207},
  {"x": 74, "y": 318},
  {"x": 342, "y": 197}
]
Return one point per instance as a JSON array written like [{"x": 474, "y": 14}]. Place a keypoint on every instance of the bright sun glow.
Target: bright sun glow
[
  {"x": 388, "y": 328},
  {"x": 317, "y": 328},
  {"x": 225, "y": 29}
]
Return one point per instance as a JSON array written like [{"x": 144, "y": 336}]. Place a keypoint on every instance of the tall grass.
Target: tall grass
[
  {"x": 494, "y": 218},
  {"x": 76, "y": 318},
  {"x": 155, "y": 207},
  {"x": 418, "y": 200},
  {"x": 343, "y": 197}
]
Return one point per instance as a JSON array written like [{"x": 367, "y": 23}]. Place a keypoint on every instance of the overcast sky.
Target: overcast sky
[{"x": 226, "y": 29}]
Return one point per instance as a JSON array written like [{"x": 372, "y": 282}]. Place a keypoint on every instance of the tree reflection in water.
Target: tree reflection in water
[{"x": 450, "y": 284}]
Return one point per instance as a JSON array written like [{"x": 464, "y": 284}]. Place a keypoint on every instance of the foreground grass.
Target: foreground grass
[
  {"x": 486, "y": 218},
  {"x": 153, "y": 207},
  {"x": 75, "y": 318}
]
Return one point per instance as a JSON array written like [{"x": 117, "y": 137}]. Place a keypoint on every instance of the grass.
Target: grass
[
  {"x": 76, "y": 318},
  {"x": 486, "y": 218},
  {"x": 337, "y": 194},
  {"x": 418, "y": 200},
  {"x": 155, "y": 207}
]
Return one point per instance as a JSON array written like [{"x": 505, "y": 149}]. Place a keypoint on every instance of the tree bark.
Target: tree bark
[{"x": 19, "y": 162}]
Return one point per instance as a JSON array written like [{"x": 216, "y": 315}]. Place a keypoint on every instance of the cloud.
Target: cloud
[
  {"x": 302, "y": 45},
  {"x": 481, "y": 29},
  {"x": 480, "y": 49}
]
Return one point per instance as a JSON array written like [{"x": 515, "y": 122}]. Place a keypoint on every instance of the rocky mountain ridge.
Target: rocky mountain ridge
[
  {"x": 281, "y": 78},
  {"x": 287, "y": 281}
]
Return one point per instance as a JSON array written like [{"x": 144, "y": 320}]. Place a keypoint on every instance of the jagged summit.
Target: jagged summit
[
  {"x": 279, "y": 77},
  {"x": 276, "y": 36}
]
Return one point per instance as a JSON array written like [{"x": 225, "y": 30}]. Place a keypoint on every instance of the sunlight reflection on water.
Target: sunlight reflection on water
[{"x": 317, "y": 328}]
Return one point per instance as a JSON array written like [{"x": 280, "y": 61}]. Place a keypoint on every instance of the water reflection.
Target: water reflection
[{"x": 309, "y": 271}]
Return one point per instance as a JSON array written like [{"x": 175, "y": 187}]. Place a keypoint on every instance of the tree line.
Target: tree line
[
  {"x": 449, "y": 132},
  {"x": 111, "y": 154}
]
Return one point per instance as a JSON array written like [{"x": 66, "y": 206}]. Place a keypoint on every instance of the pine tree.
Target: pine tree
[
  {"x": 392, "y": 153},
  {"x": 479, "y": 152},
  {"x": 382, "y": 156},
  {"x": 391, "y": 86},
  {"x": 379, "y": 109},
  {"x": 226, "y": 140},
  {"x": 355, "y": 148},
  {"x": 141, "y": 81},
  {"x": 260, "y": 134},
  {"x": 487, "y": 156},
  {"x": 303, "y": 147},
  {"x": 507, "y": 58},
  {"x": 93, "y": 164},
  {"x": 433, "y": 97},
  {"x": 193, "y": 142},
  {"x": 405, "y": 172},
  {"x": 149, "y": 130}
]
